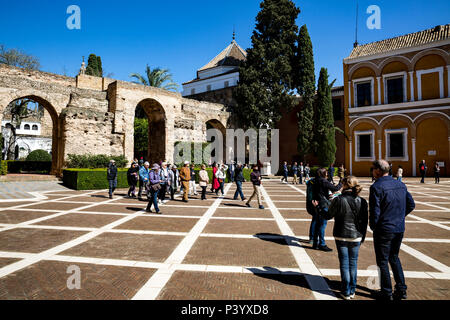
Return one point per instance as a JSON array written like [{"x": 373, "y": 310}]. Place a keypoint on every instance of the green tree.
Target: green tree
[
  {"x": 17, "y": 58},
  {"x": 306, "y": 86},
  {"x": 159, "y": 78},
  {"x": 94, "y": 67},
  {"x": 140, "y": 137},
  {"x": 325, "y": 130},
  {"x": 265, "y": 86}
]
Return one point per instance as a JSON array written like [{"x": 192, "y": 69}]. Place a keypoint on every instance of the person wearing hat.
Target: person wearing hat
[
  {"x": 132, "y": 178},
  {"x": 155, "y": 186},
  {"x": 185, "y": 177},
  {"x": 111, "y": 175}
]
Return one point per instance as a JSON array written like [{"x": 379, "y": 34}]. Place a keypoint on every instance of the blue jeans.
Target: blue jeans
[
  {"x": 387, "y": 247},
  {"x": 239, "y": 191},
  {"x": 399, "y": 179},
  {"x": 154, "y": 200},
  {"x": 348, "y": 263},
  {"x": 317, "y": 230},
  {"x": 112, "y": 186}
]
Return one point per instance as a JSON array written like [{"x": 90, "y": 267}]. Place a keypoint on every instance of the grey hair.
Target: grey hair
[
  {"x": 147, "y": 163},
  {"x": 381, "y": 164}
]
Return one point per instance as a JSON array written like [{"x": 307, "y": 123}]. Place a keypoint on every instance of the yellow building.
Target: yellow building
[{"x": 397, "y": 98}]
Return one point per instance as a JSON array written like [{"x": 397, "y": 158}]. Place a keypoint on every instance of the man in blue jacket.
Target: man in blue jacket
[{"x": 389, "y": 203}]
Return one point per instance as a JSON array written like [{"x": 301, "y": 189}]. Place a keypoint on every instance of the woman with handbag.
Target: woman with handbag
[
  {"x": 351, "y": 215},
  {"x": 321, "y": 201},
  {"x": 133, "y": 178},
  {"x": 154, "y": 185},
  {"x": 203, "y": 180}
]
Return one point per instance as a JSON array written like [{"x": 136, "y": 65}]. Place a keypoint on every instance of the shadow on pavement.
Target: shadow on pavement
[{"x": 280, "y": 239}]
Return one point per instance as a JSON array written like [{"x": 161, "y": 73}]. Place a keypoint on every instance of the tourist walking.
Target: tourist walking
[
  {"x": 132, "y": 178},
  {"x": 341, "y": 172},
  {"x": 307, "y": 172},
  {"x": 301, "y": 172},
  {"x": 321, "y": 201},
  {"x": 239, "y": 179},
  {"x": 389, "y": 203},
  {"x": 203, "y": 180},
  {"x": 164, "y": 175},
  {"x": 111, "y": 175},
  {"x": 192, "y": 186},
  {"x": 255, "y": 178},
  {"x": 437, "y": 172},
  {"x": 221, "y": 176},
  {"x": 232, "y": 171},
  {"x": 143, "y": 180},
  {"x": 185, "y": 177},
  {"x": 215, "y": 183},
  {"x": 400, "y": 173},
  {"x": 350, "y": 213},
  {"x": 294, "y": 169},
  {"x": 174, "y": 181},
  {"x": 423, "y": 170},
  {"x": 285, "y": 172},
  {"x": 155, "y": 186}
]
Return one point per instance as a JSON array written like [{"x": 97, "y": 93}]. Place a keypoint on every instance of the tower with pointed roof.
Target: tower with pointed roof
[{"x": 216, "y": 80}]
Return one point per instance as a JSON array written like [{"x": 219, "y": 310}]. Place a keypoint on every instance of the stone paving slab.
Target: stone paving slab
[
  {"x": 18, "y": 216},
  {"x": 241, "y": 227},
  {"x": 158, "y": 223},
  {"x": 138, "y": 247},
  {"x": 47, "y": 280},
  {"x": 185, "y": 285},
  {"x": 80, "y": 220}
]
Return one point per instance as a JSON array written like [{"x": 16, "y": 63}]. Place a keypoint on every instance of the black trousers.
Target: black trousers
[
  {"x": 162, "y": 192},
  {"x": 204, "y": 192},
  {"x": 387, "y": 247}
]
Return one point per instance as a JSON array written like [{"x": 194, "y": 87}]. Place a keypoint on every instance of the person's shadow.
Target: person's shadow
[{"x": 280, "y": 239}]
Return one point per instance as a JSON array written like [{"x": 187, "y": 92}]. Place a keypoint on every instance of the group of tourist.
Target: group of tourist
[
  {"x": 164, "y": 179},
  {"x": 389, "y": 204}
]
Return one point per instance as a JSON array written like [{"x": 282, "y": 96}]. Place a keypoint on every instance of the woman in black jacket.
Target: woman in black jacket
[
  {"x": 350, "y": 213},
  {"x": 133, "y": 178}
]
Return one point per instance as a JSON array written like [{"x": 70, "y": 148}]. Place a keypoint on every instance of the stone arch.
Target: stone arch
[
  {"x": 360, "y": 65},
  {"x": 423, "y": 53},
  {"x": 157, "y": 129},
  {"x": 57, "y": 144},
  {"x": 217, "y": 124},
  {"x": 400, "y": 117},
  {"x": 401, "y": 59},
  {"x": 433, "y": 114},
  {"x": 353, "y": 124}
]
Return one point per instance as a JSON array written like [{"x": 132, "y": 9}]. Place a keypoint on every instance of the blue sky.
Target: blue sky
[{"x": 185, "y": 35}]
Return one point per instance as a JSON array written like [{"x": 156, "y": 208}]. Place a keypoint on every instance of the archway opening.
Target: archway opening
[
  {"x": 216, "y": 124},
  {"x": 150, "y": 131},
  {"x": 30, "y": 123}
]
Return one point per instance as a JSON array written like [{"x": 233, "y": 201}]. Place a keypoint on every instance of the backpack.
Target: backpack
[{"x": 309, "y": 196}]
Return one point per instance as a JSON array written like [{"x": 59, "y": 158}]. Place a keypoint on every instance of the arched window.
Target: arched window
[
  {"x": 35, "y": 127},
  {"x": 26, "y": 127}
]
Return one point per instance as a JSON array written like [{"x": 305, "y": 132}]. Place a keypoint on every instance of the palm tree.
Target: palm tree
[{"x": 156, "y": 78}]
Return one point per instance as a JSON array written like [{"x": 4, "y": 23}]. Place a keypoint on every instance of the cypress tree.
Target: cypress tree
[
  {"x": 99, "y": 67},
  {"x": 265, "y": 86},
  {"x": 325, "y": 131},
  {"x": 92, "y": 67},
  {"x": 306, "y": 85}
]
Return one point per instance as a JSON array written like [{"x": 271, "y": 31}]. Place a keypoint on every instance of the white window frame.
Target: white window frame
[
  {"x": 395, "y": 75},
  {"x": 419, "y": 74},
  {"x": 355, "y": 91},
  {"x": 387, "y": 133},
  {"x": 361, "y": 133}
]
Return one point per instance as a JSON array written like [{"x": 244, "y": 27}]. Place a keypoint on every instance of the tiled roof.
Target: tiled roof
[
  {"x": 438, "y": 33},
  {"x": 233, "y": 55}
]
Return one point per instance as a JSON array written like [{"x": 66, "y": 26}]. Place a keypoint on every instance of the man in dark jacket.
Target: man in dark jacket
[
  {"x": 111, "y": 175},
  {"x": 423, "y": 170},
  {"x": 389, "y": 202},
  {"x": 255, "y": 178},
  {"x": 239, "y": 179},
  {"x": 322, "y": 188}
]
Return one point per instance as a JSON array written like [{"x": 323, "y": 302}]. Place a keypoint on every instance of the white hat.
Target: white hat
[{"x": 186, "y": 162}]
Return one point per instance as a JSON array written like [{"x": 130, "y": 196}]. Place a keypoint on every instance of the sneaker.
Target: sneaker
[
  {"x": 158, "y": 212},
  {"x": 325, "y": 248},
  {"x": 110, "y": 197},
  {"x": 378, "y": 295},
  {"x": 352, "y": 296},
  {"x": 400, "y": 295},
  {"x": 149, "y": 211},
  {"x": 345, "y": 297},
  {"x": 261, "y": 207}
]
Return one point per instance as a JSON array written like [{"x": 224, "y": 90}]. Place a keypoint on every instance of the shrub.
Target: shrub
[
  {"x": 39, "y": 155},
  {"x": 92, "y": 179},
  {"x": 99, "y": 161},
  {"x": 3, "y": 168},
  {"x": 28, "y": 166}
]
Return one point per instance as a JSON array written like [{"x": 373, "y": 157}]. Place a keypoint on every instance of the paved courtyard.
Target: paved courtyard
[{"x": 214, "y": 249}]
